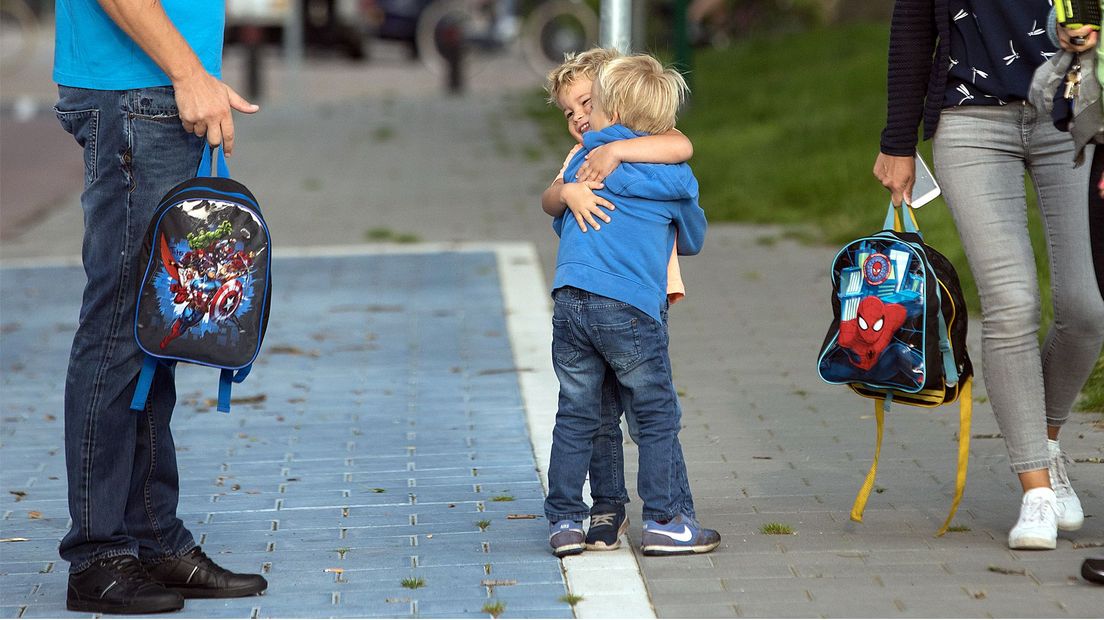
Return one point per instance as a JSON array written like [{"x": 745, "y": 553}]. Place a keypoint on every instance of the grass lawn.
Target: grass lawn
[{"x": 785, "y": 132}]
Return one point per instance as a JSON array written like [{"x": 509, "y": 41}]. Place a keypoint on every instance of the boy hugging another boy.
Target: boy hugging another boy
[{"x": 610, "y": 305}]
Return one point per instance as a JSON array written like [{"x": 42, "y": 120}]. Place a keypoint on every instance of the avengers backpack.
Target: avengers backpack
[
  {"x": 899, "y": 333},
  {"x": 205, "y": 289}
]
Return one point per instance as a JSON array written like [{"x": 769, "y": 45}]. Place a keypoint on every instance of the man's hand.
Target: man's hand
[
  {"x": 599, "y": 164},
  {"x": 1067, "y": 35},
  {"x": 585, "y": 205},
  {"x": 897, "y": 174},
  {"x": 206, "y": 108}
]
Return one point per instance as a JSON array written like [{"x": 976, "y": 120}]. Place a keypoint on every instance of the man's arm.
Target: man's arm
[
  {"x": 204, "y": 102},
  {"x": 670, "y": 148}
]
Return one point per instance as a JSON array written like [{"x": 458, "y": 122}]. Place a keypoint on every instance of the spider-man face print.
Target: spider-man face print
[{"x": 872, "y": 330}]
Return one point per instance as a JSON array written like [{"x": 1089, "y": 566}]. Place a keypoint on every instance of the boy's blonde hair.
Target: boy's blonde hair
[
  {"x": 582, "y": 65},
  {"x": 640, "y": 93}
]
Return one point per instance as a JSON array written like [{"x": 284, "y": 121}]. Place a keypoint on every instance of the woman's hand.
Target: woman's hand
[
  {"x": 1066, "y": 38},
  {"x": 897, "y": 174}
]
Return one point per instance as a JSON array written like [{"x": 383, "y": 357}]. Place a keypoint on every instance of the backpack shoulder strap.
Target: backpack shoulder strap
[
  {"x": 145, "y": 380},
  {"x": 880, "y": 407},
  {"x": 965, "y": 409},
  {"x": 226, "y": 379}
]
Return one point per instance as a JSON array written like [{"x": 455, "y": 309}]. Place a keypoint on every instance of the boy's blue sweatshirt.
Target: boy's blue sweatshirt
[{"x": 627, "y": 259}]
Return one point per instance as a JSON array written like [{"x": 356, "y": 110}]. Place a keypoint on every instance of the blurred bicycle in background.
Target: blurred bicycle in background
[
  {"x": 479, "y": 30},
  {"x": 540, "y": 31}
]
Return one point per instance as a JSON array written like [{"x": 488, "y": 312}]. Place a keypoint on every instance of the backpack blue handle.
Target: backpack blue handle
[
  {"x": 206, "y": 169},
  {"x": 145, "y": 380},
  {"x": 894, "y": 215}
]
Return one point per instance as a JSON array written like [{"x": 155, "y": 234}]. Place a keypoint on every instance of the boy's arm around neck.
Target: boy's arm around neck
[{"x": 668, "y": 148}]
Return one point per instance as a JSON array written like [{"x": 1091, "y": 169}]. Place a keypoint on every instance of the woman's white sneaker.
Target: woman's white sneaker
[
  {"x": 1070, "y": 514},
  {"x": 1038, "y": 524}
]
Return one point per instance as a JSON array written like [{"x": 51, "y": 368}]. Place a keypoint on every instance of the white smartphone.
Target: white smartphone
[{"x": 925, "y": 189}]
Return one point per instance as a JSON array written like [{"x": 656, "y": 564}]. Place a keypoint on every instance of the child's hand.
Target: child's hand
[
  {"x": 585, "y": 205},
  {"x": 599, "y": 163}
]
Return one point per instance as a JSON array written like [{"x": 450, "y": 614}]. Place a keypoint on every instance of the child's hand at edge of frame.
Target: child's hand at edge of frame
[
  {"x": 599, "y": 164},
  {"x": 585, "y": 205}
]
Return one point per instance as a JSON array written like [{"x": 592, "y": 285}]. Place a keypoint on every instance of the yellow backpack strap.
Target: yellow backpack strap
[
  {"x": 864, "y": 492},
  {"x": 965, "y": 408}
]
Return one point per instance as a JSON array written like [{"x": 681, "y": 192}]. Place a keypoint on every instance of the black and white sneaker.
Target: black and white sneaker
[{"x": 608, "y": 522}]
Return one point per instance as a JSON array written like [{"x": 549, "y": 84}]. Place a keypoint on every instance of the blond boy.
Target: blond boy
[{"x": 610, "y": 312}]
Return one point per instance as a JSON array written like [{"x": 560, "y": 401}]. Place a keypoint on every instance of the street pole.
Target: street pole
[
  {"x": 293, "y": 48},
  {"x": 615, "y": 27}
]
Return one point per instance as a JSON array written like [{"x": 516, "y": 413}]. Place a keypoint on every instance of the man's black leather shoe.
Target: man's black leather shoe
[
  {"x": 1092, "y": 569},
  {"x": 119, "y": 585},
  {"x": 197, "y": 576}
]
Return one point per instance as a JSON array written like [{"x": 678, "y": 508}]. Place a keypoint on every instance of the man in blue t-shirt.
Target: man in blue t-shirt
[{"x": 139, "y": 89}]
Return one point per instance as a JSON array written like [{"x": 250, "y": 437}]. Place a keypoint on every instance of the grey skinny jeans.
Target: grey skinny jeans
[{"x": 980, "y": 155}]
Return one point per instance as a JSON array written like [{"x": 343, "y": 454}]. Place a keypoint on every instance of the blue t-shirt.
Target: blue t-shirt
[
  {"x": 996, "y": 45},
  {"x": 90, "y": 51}
]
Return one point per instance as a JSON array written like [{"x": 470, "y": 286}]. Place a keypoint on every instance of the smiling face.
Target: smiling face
[{"x": 575, "y": 103}]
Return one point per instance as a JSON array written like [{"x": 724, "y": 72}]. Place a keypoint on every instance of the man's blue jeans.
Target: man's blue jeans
[
  {"x": 121, "y": 464},
  {"x": 591, "y": 333}
]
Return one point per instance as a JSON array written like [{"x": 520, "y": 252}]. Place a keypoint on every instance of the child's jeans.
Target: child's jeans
[
  {"x": 607, "y": 460},
  {"x": 589, "y": 334}
]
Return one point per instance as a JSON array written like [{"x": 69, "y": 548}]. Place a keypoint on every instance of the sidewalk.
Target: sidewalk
[{"x": 765, "y": 440}]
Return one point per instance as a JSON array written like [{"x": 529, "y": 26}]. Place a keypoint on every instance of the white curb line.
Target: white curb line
[{"x": 610, "y": 581}]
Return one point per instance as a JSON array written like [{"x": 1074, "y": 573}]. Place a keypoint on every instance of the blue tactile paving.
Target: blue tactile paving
[{"x": 380, "y": 424}]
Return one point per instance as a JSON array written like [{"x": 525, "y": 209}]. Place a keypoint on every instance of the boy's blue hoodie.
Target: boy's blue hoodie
[{"x": 627, "y": 259}]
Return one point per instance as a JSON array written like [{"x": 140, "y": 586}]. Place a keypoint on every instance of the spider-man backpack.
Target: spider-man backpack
[
  {"x": 204, "y": 295},
  {"x": 899, "y": 333}
]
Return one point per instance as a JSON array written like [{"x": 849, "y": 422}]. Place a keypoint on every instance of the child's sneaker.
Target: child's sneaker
[
  {"x": 1070, "y": 514},
  {"x": 607, "y": 523},
  {"x": 679, "y": 536},
  {"x": 1038, "y": 524},
  {"x": 566, "y": 538}
]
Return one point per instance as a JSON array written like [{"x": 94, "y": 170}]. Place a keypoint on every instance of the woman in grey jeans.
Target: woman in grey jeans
[{"x": 965, "y": 67}]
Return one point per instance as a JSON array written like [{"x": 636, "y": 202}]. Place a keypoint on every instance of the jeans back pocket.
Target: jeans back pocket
[{"x": 620, "y": 344}]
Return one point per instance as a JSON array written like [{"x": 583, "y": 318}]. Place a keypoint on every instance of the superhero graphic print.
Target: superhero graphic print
[
  {"x": 881, "y": 333},
  {"x": 205, "y": 273}
]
